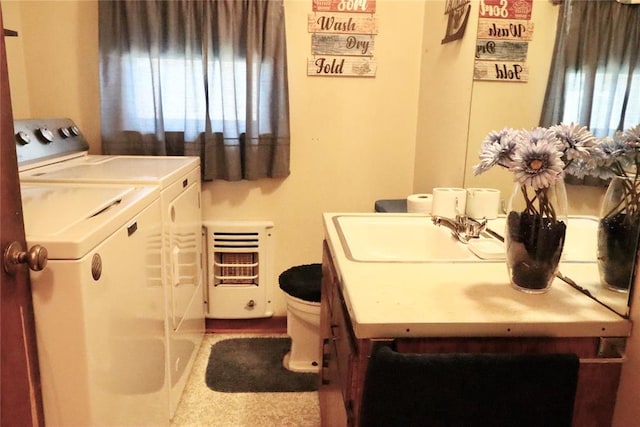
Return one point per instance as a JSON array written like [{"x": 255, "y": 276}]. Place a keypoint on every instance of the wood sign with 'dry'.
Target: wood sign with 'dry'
[
  {"x": 342, "y": 44},
  {"x": 501, "y": 50}
]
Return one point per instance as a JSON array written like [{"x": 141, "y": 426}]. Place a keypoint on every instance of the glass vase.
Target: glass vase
[
  {"x": 618, "y": 233},
  {"x": 534, "y": 236}
]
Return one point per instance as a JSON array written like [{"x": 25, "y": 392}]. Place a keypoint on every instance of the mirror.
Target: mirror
[{"x": 495, "y": 105}]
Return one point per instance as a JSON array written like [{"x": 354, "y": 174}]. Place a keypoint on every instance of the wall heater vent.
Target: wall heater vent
[{"x": 240, "y": 269}]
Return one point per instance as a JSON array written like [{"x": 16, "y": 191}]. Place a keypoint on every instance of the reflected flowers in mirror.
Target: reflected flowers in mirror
[
  {"x": 611, "y": 157},
  {"x": 617, "y": 159}
]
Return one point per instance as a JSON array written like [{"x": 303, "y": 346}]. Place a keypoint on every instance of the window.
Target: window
[
  {"x": 206, "y": 76},
  {"x": 182, "y": 108},
  {"x": 595, "y": 76},
  {"x": 606, "y": 103}
]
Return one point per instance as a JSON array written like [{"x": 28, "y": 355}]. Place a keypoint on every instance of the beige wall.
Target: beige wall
[
  {"x": 518, "y": 105},
  {"x": 16, "y": 63},
  {"x": 445, "y": 101},
  {"x": 416, "y": 125},
  {"x": 353, "y": 139},
  {"x": 455, "y": 112},
  {"x": 53, "y": 63}
]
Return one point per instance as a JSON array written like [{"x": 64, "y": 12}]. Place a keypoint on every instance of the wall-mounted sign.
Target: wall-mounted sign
[
  {"x": 501, "y": 71},
  {"x": 341, "y": 66},
  {"x": 342, "y": 44},
  {"x": 505, "y": 29},
  {"x": 363, "y": 6},
  {"x": 342, "y": 38},
  {"x": 458, "y": 15},
  {"x": 504, "y": 32},
  {"x": 506, "y": 9},
  {"x": 342, "y": 23},
  {"x": 501, "y": 50}
]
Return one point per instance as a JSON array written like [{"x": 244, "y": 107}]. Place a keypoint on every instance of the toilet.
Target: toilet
[{"x": 301, "y": 285}]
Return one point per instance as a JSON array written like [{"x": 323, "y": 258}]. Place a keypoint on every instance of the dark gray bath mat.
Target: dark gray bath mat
[{"x": 254, "y": 365}]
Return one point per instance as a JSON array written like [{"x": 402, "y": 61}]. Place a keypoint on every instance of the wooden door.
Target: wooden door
[{"x": 20, "y": 397}]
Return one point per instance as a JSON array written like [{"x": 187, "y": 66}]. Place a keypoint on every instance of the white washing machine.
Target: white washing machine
[
  {"x": 54, "y": 150},
  {"x": 99, "y": 303}
]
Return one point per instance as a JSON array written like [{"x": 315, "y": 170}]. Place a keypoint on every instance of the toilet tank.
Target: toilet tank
[{"x": 240, "y": 257}]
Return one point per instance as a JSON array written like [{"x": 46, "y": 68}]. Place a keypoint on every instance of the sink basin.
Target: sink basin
[
  {"x": 405, "y": 238},
  {"x": 415, "y": 238}
]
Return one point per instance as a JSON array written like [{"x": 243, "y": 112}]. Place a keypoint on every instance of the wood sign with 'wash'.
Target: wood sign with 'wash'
[
  {"x": 504, "y": 32},
  {"x": 342, "y": 38}
]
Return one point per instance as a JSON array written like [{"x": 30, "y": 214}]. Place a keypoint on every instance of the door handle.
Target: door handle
[{"x": 36, "y": 258}]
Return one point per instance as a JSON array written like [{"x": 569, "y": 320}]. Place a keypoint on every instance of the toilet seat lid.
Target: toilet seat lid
[{"x": 303, "y": 282}]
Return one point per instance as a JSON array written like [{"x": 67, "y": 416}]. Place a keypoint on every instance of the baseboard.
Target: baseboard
[{"x": 277, "y": 324}]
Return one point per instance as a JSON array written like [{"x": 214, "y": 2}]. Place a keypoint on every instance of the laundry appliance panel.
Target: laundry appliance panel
[
  {"x": 99, "y": 303},
  {"x": 178, "y": 179}
]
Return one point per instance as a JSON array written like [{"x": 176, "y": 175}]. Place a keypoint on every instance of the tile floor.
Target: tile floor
[{"x": 203, "y": 407}]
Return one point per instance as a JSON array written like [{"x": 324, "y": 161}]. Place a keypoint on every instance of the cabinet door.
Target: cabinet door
[
  {"x": 344, "y": 346},
  {"x": 332, "y": 404},
  {"x": 332, "y": 384}
]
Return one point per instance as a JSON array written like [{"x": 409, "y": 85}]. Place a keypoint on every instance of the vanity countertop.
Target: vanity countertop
[{"x": 399, "y": 299}]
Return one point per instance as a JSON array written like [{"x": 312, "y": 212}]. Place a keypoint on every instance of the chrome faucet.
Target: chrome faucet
[{"x": 464, "y": 228}]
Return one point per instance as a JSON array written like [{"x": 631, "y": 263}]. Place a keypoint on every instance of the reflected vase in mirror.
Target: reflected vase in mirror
[
  {"x": 535, "y": 234},
  {"x": 618, "y": 233}
]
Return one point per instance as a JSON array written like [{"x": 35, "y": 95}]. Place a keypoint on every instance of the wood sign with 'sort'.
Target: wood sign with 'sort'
[
  {"x": 506, "y": 9},
  {"x": 501, "y": 50},
  {"x": 362, "y": 6},
  {"x": 501, "y": 71},
  {"x": 342, "y": 44},
  {"x": 341, "y": 66},
  {"x": 505, "y": 29},
  {"x": 342, "y": 23}
]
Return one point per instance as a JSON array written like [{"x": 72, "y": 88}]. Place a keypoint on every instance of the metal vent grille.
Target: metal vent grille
[
  {"x": 236, "y": 258},
  {"x": 235, "y": 239},
  {"x": 235, "y": 268}
]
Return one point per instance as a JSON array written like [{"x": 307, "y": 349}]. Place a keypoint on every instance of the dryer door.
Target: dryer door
[{"x": 185, "y": 248}]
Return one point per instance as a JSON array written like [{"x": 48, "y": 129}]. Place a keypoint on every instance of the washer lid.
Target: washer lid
[
  {"x": 156, "y": 170},
  {"x": 71, "y": 219}
]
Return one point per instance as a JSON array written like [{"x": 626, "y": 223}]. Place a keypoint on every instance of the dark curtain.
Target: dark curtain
[
  {"x": 595, "y": 73},
  {"x": 197, "y": 77}
]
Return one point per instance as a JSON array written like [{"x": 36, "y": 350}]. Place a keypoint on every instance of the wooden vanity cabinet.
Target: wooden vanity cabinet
[
  {"x": 343, "y": 356},
  {"x": 344, "y": 360},
  {"x": 335, "y": 373}
]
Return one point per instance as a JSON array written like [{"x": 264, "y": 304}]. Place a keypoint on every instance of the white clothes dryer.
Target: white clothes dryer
[
  {"x": 99, "y": 303},
  {"x": 56, "y": 151}
]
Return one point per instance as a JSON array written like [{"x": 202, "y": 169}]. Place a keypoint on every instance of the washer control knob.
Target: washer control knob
[
  {"x": 64, "y": 132},
  {"x": 45, "y": 134},
  {"x": 23, "y": 138},
  {"x": 74, "y": 130}
]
